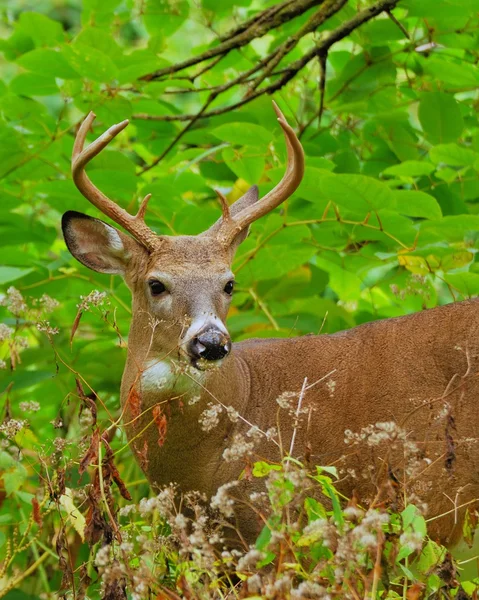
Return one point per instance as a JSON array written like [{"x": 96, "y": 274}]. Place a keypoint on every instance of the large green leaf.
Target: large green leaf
[
  {"x": 417, "y": 204},
  {"x": 243, "y": 134},
  {"x": 453, "y": 154},
  {"x": 357, "y": 193},
  {"x": 440, "y": 117},
  {"x": 163, "y": 18}
]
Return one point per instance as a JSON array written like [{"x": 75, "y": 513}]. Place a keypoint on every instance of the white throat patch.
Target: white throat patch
[{"x": 165, "y": 375}]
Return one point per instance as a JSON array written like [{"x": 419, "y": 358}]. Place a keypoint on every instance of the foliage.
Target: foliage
[{"x": 385, "y": 222}]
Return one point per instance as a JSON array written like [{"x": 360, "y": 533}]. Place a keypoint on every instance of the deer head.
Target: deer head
[{"x": 183, "y": 284}]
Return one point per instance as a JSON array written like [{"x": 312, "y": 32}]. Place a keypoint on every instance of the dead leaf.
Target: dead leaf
[
  {"x": 88, "y": 400},
  {"x": 134, "y": 403},
  {"x": 91, "y": 454},
  {"x": 75, "y": 516},
  {"x": 415, "y": 591},
  {"x": 61, "y": 547},
  {"x": 37, "y": 517},
  {"x": 142, "y": 455},
  {"x": 76, "y": 322},
  {"x": 161, "y": 423}
]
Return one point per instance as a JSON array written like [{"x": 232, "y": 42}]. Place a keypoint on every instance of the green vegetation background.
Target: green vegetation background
[{"x": 385, "y": 223}]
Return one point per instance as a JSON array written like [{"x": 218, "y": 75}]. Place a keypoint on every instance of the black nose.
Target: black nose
[{"x": 210, "y": 345}]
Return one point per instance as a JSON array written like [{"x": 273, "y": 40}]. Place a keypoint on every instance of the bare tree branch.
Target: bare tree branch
[
  {"x": 258, "y": 27},
  {"x": 290, "y": 71},
  {"x": 284, "y": 75}
]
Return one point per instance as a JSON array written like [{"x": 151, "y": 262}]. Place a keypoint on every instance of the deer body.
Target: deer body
[
  {"x": 416, "y": 373},
  {"x": 403, "y": 370}
]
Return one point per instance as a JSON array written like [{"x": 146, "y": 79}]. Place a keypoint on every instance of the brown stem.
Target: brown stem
[
  {"x": 235, "y": 40},
  {"x": 291, "y": 70}
]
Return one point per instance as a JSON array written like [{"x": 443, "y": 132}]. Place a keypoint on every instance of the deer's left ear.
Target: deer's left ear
[
  {"x": 251, "y": 196},
  {"x": 96, "y": 244}
]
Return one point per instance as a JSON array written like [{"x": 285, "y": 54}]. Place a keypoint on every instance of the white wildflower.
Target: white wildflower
[
  {"x": 11, "y": 427},
  {"x": 239, "y": 449},
  {"x": 5, "y": 332},
  {"x": 126, "y": 510},
  {"x": 48, "y": 304},
  {"x": 14, "y": 301},
  {"x": 250, "y": 559},
  {"x": 255, "y": 433},
  {"x": 209, "y": 418},
  {"x": 47, "y": 328},
  {"x": 94, "y": 299},
  {"x": 102, "y": 558},
  {"x": 271, "y": 434},
  {"x": 331, "y": 385},
  {"x": 232, "y": 413},
  {"x": 30, "y": 406},
  {"x": 412, "y": 539},
  {"x": 222, "y": 501},
  {"x": 60, "y": 444},
  {"x": 254, "y": 583},
  {"x": 284, "y": 399},
  {"x": 147, "y": 505}
]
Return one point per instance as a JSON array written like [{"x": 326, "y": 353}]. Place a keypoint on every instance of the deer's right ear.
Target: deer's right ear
[{"x": 97, "y": 245}]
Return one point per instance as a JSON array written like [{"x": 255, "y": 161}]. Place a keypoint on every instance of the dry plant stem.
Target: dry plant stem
[
  {"x": 296, "y": 416},
  {"x": 377, "y": 569},
  {"x": 16, "y": 582},
  {"x": 103, "y": 495},
  {"x": 264, "y": 308}
]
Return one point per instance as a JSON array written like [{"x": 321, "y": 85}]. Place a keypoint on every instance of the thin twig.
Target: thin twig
[{"x": 296, "y": 415}]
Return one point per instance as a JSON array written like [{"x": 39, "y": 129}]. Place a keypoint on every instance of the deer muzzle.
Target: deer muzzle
[{"x": 211, "y": 345}]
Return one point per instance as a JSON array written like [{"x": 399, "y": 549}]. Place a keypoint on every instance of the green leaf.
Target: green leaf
[
  {"x": 410, "y": 168},
  {"x": 42, "y": 30},
  {"x": 163, "y": 18},
  {"x": 358, "y": 193},
  {"x": 8, "y": 274},
  {"x": 33, "y": 84},
  {"x": 13, "y": 480},
  {"x": 91, "y": 63},
  {"x": 453, "y": 154},
  {"x": 272, "y": 262},
  {"x": 250, "y": 168},
  {"x": 261, "y": 468},
  {"x": 466, "y": 283},
  {"x": 417, "y": 204},
  {"x": 48, "y": 63},
  {"x": 243, "y": 134},
  {"x": 440, "y": 117}
]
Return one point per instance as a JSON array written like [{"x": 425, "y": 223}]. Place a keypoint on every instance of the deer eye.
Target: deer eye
[
  {"x": 156, "y": 287},
  {"x": 229, "y": 287}
]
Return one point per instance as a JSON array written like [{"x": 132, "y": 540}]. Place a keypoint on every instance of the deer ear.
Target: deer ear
[
  {"x": 97, "y": 245},
  {"x": 251, "y": 196}
]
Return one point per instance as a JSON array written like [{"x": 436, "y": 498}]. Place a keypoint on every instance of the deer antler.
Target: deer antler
[
  {"x": 81, "y": 157},
  {"x": 288, "y": 184}
]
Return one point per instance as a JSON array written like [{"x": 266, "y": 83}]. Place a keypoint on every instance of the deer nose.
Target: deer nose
[{"x": 210, "y": 345}]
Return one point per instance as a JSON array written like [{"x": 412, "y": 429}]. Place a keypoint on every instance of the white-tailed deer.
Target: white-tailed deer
[{"x": 413, "y": 380}]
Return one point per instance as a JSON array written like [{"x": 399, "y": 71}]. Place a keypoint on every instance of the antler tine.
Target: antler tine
[
  {"x": 288, "y": 184},
  {"x": 134, "y": 224},
  {"x": 225, "y": 209}
]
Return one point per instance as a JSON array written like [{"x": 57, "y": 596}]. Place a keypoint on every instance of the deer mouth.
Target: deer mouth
[{"x": 202, "y": 364}]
